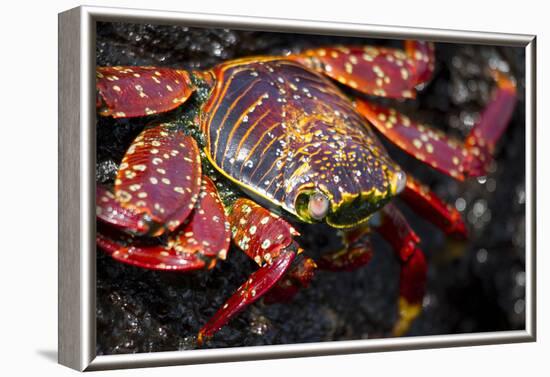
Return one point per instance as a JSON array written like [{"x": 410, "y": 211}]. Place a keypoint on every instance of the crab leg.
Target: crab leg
[
  {"x": 298, "y": 276},
  {"x": 158, "y": 183},
  {"x": 426, "y": 203},
  {"x": 357, "y": 252},
  {"x": 156, "y": 256},
  {"x": 268, "y": 240},
  {"x": 124, "y": 92},
  {"x": 481, "y": 141},
  {"x": 450, "y": 156},
  {"x": 202, "y": 239},
  {"x": 412, "y": 286},
  {"x": 379, "y": 71}
]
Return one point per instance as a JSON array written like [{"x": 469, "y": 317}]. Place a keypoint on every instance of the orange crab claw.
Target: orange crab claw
[
  {"x": 125, "y": 92},
  {"x": 159, "y": 178},
  {"x": 383, "y": 72}
]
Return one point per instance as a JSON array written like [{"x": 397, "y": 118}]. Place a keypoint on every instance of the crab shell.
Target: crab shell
[{"x": 288, "y": 136}]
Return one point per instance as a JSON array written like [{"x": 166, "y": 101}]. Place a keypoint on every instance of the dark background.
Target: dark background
[{"x": 473, "y": 286}]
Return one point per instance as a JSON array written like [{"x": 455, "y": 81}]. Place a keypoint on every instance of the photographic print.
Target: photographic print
[
  {"x": 259, "y": 188},
  {"x": 235, "y": 188}
]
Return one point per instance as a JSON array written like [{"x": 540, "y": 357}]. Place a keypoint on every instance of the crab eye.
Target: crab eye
[
  {"x": 400, "y": 182},
  {"x": 318, "y": 206}
]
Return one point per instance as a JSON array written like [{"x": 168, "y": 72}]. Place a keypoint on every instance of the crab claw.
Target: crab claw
[
  {"x": 125, "y": 92},
  {"x": 197, "y": 244},
  {"x": 158, "y": 181}
]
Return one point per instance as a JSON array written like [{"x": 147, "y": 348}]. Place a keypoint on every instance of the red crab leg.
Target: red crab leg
[
  {"x": 412, "y": 285},
  {"x": 480, "y": 142},
  {"x": 379, "y": 71},
  {"x": 427, "y": 204},
  {"x": 421, "y": 141},
  {"x": 357, "y": 252},
  {"x": 130, "y": 250},
  {"x": 297, "y": 277},
  {"x": 204, "y": 237},
  {"x": 450, "y": 156},
  {"x": 423, "y": 55},
  {"x": 125, "y": 92},
  {"x": 268, "y": 240},
  {"x": 159, "y": 179}
]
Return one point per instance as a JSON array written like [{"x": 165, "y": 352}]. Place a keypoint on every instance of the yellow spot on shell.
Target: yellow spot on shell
[{"x": 430, "y": 148}]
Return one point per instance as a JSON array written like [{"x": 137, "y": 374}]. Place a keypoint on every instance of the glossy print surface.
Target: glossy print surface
[{"x": 282, "y": 130}]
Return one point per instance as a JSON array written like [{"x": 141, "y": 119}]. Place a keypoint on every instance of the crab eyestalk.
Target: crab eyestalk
[
  {"x": 318, "y": 206},
  {"x": 312, "y": 206},
  {"x": 399, "y": 182}
]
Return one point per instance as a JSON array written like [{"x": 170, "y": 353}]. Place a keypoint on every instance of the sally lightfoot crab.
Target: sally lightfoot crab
[{"x": 272, "y": 141}]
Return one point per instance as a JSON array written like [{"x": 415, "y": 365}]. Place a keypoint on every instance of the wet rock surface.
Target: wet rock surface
[{"x": 473, "y": 286}]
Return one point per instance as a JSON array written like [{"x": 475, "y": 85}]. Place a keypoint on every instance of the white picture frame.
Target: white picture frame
[{"x": 77, "y": 326}]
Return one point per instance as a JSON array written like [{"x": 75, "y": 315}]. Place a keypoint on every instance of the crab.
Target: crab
[{"x": 241, "y": 152}]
